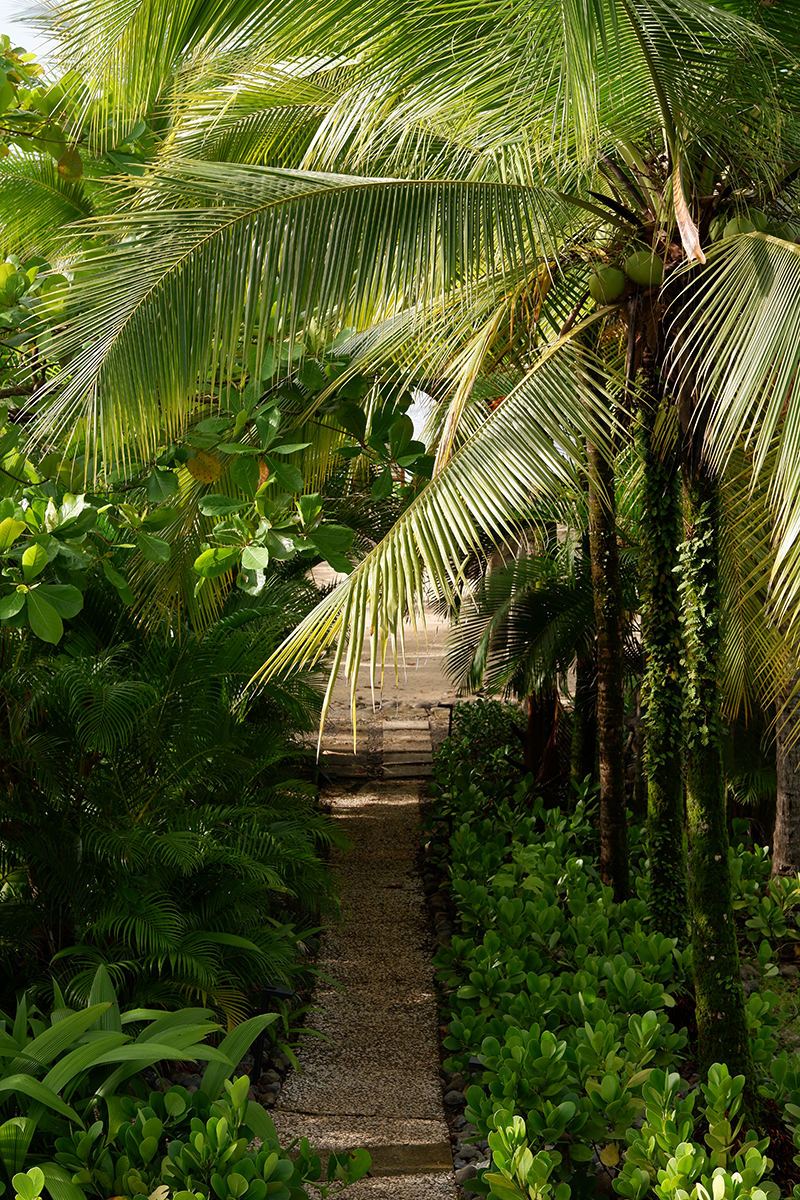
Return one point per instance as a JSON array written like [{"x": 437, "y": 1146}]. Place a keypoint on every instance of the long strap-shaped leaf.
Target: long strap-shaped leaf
[
  {"x": 742, "y": 352},
  {"x": 167, "y": 309},
  {"x": 526, "y": 447}
]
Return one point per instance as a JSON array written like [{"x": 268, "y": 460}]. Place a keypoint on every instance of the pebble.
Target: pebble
[
  {"x": 468, "y": 1152},
  {"x": 454, "y": 1099},
  {"x": 459, "y": 1122},
  {"x": 469, "y": 1171},
  {"x": 184, "y": 1079}
]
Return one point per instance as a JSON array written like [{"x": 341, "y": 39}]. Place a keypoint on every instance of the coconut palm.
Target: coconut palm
[{"x": 467, "y": 174}]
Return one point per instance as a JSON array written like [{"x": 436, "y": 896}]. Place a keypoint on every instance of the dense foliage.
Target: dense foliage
[{"x": 574, "y": 1018}]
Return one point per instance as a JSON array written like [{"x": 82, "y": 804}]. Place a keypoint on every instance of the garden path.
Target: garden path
[{"x": 376, "y": 1084}]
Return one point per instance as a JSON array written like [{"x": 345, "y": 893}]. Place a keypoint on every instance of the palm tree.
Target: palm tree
[{"x": 458, "y": 178}]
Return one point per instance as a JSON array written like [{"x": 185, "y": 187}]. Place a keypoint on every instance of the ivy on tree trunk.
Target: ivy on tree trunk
[
  {"x": 662, "y": 684},
  {"x": 721, "y": 1020},
  {"x": 786, "y": 840},
  {"x": 610, "y": 679}
]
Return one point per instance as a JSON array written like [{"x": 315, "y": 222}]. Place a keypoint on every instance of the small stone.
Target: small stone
[
  {"x": 468, "y": 1152},
  {"x": 460, "y": 1121},
  {"x": 454, "y": 1099},
  {"x": 787, "y": 970},
  {"x": 269, "y": 1077},
  {"x": 251, "y": 1095},
  {"x": 466, "y": 1172}
]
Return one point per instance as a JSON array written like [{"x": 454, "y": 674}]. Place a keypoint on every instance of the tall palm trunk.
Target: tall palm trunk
[
  {"x": 610, "y": 686},
  {"x": 662, "y": 684},
  {"x": 721, "y": 1020},
  {"x": 583, "y": 750},
  {"x": 786, "y": 840}
]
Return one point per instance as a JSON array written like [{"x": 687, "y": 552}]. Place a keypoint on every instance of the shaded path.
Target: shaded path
[{"x": 377, "y": 1083}]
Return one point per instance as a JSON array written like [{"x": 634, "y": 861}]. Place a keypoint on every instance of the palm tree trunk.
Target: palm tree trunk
[
  {"x": 583, "y": 750},
  {"x": 662, "y": 685},
  {"x": 786, "y": 840},
  {"x": 610, "y": 679},
  {"x": 721, "y": 1020}
]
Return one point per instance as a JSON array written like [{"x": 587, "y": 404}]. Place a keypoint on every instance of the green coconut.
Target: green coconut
[
  {"x": 758, "y": 218},
  {"x": 715, "y": 228},
  {"x": 738, "y": 225},
  {"x": 645, "y": 268},
  {"x": 607, "y": 285}
]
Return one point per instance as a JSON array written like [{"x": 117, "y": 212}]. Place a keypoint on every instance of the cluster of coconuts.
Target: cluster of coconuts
[
  {"x": 752, "y": 220},
  {"x": 643, "y": 267}
]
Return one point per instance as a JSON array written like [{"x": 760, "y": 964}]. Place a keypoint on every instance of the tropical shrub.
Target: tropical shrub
[
  {"x": 152, "y": 822},
  {"x": 559, "y": 1003},
  {"x": 188, "y": 1146},
  {"x": 59, "y": 1067}
]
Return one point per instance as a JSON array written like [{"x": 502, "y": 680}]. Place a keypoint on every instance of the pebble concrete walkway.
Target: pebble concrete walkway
[{"x": 376, "y": 1083}]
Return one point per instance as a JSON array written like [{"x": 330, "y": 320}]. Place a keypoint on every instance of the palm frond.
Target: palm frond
[
  {"x": 523, "y": 449},
  {"x": 742, "y": 353},
  {"x": 196, "y": 266},
  {"x": 38, "y": 208}
]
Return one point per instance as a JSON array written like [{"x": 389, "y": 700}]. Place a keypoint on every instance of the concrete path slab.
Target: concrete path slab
[{"x": 376, "y": 1082}]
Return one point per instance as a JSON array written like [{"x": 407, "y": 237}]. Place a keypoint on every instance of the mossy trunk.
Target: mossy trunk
[
  {"x": 662, "y": 683},
  {"x": 583, "y": 749},
  {"x": 721, "y": 1020},
  {"x": 786, "y": 839},
  {"x": 610, "y": 679}
]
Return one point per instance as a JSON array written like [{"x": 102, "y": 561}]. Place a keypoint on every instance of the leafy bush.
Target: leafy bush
[
  {"x": 559, "y": 1003},
  {"x": 150, "y": 821},
  {"x": 58, "y": 1070},
  {"x": 188, "y": 1146}
]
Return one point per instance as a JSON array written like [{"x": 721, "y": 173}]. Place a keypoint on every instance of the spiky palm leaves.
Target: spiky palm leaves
[{"x": 149, "y": 821}]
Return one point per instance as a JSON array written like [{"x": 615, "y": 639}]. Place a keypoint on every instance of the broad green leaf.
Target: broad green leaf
[
  {"x": 44, "y": 620},
  {"x": 286, "y": 475},
  {"x": 104, "y": 992},
  {"x": 260, "y": 1123},
  {"x": 10, "y": 531},
  {"x": 59, "y": 1183},
  {"x": 58, "y": 1038},
  {"x": 268, "y": 423},
  {"x": 245, "y": 474},
  {"x": 34, "y": 561},
  {"x": 154, "y": 549},
  {"x": 65, "y": 599},
  {"x": 220, "y": 506},
  {"x": 289, "y": 447},
  {"x": 309, "y": 508},
  {"x": 215, "y": 562},
  {"x": 255, "y": 558},
  {"x": 15, "y": 1138},
  {"x": 26, "y": 1085},
  {"x": 119, "y": 582},
  {"x": 280, "y": 546},
  {"x": 160, "y": 484},
  {"x": 10, "y": 605},
  {"x": 353, "y": 420},
  {"x": 382, "y": 487},
  {"x": 160, "y": 518},
  {"x": 331, "y": 537},
  {"x": 235, "y": 1046},
  {"x": 80, "y": 1060}
]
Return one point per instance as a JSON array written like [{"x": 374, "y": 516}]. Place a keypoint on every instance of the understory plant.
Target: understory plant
[
  {"x": 561, "y": 1005},
  {"x": 151, "y": 820}
]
